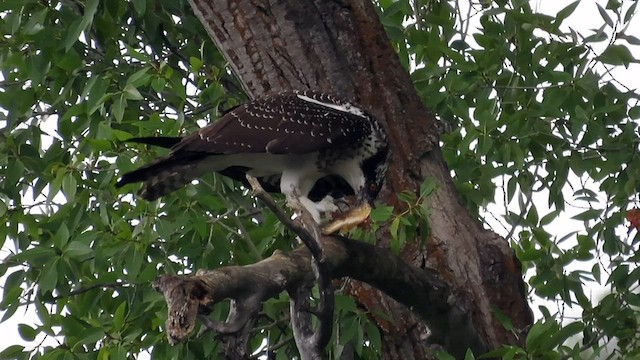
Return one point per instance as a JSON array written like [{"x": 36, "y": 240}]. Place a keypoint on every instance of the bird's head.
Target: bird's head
[{"x": 374, "y": 169}]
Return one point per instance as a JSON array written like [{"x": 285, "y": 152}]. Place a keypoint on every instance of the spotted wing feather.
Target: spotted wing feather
[
  {"x": 289, "y": 123},
  {"x": 286, "y": 123}
]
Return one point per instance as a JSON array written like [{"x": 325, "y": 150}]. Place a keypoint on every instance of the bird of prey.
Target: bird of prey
[{"x": 304, "y": 144}]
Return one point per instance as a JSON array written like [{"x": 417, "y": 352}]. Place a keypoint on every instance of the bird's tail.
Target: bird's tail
[{"x": 166, "y": 174}]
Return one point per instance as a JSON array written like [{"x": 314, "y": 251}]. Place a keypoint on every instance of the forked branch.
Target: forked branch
[{"x": 311, "y": 343}]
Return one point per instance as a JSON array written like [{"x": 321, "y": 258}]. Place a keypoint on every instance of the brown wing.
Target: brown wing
[{"x": 285, "y": 123}]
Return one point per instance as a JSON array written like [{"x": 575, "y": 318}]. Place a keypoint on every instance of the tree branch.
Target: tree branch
[{"x": 417, "y": 289}]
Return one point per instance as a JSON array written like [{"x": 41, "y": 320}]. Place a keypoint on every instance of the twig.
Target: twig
[{"x": 114, "y": 285}]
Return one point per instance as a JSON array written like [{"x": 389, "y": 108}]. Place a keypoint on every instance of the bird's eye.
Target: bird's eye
[{"x": 373, "y": 187}]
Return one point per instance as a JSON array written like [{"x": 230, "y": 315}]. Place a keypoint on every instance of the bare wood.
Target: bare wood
[{"x": 416, "y": 289}]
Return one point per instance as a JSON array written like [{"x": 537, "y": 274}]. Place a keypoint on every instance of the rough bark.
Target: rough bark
[
  {"x": 417, "y": 289},
  {"x": 341, "y": 47}
]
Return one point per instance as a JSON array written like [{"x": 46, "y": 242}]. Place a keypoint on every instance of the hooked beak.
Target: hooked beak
[{"x": 364, "y": 197}]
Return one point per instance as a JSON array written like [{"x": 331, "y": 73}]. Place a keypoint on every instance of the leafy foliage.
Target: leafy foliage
[
  {"x": 532, "y": 106},
  {"x": 537, "y": 115},
  {"x": 78, "y": 78}
]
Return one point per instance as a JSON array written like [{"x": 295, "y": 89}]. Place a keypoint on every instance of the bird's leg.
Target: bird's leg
[
  {"x": 317, "y": 209},
  {"x": 343, "y": 204},
  {"x": 309, "y": 205},
  {"x": 296, "y": 189},
  {"x": 327, "y": 205}
]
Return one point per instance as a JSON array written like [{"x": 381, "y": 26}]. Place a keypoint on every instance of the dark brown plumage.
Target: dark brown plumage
[{"x": 288, "y": 141}]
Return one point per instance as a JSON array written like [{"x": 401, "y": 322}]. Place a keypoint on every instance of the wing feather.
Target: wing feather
[{"x": 286, "y": 123}]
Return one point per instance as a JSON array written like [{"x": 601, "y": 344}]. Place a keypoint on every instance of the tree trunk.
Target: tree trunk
[{"x": 341, "y": 47}]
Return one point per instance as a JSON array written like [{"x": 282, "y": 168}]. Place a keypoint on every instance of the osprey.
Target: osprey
[{"x": 304, "y": 144}]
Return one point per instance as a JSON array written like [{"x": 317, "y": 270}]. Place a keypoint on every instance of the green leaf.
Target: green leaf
[
  {"x": 35, "y": 256},
  {"x": 381, "y": 214},
  {"x": 118, "y": 107},
  {"x": 550, "y": 217},
  {"x": 617, "y": 55},
  {"x": 614, "y": 5},
  {"x": 118, "y": 317},
  {"x": 345, "y": 303},
  {"x": 3, "y": 208},
  {"x": 630, "y": 13},
  {"x": 69, "y": 186},
  {"x": 90, "y": 8},
  {"x": 619, "y": 276},
  {"x": 532, "y": 216},
  {"x": 70, "y": 62},
  {"x": 586, "y": 243},
  {"x": 49, "y": 276},
  {"x": 43, "y": 314},
  {"x": 505, "y": 352},
  {"x": 630, "y": 38},
  {"x": 443, "y": 355},
  {"x": 14, "y": 19},
  {"x": 62, "y": 236},
  {"x": 14, "y": 172},
  {"x": 588, "y": 215},
  {"x": 90, "y": 336},
  {"x": 393, "y": 229},
  {"x": 27, "y": 333},
  {"x": 96, "y": 92},
  {"x": 196, "y": 64},
  {"x": 36, "y": 22},
  {"x": 12, "y": 352},
  {"x": 348, "y": 329},
  {"x": 77, "y": 249},
  {"x": 630, "y": 187},
  {"x": 73, "y": 34},
  {"x": 598, "y": 36},
  {"x": 134, "y": 53},
  {"x": 469, "y": 355},
  {"x": 139, "y": 78},
  {"x": 373, "y": 334},
  {"x": 140, "y": 6},
  {"x": 158, "y": 84},
  {"x": 567, "y": 331},
  {"x": 459, "y": 45},
  {"x": 408, "y": 197},
  {"x": 604, "y": 15},
  {"x": 131, "y": 93},
  {"x": 566, "y": 12},
  {"x": 539, "y": 333},
  {"x": 427, "y": 187},
  {"x": 505, "y": 321},
  {"x": 595, "y": 271}
]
